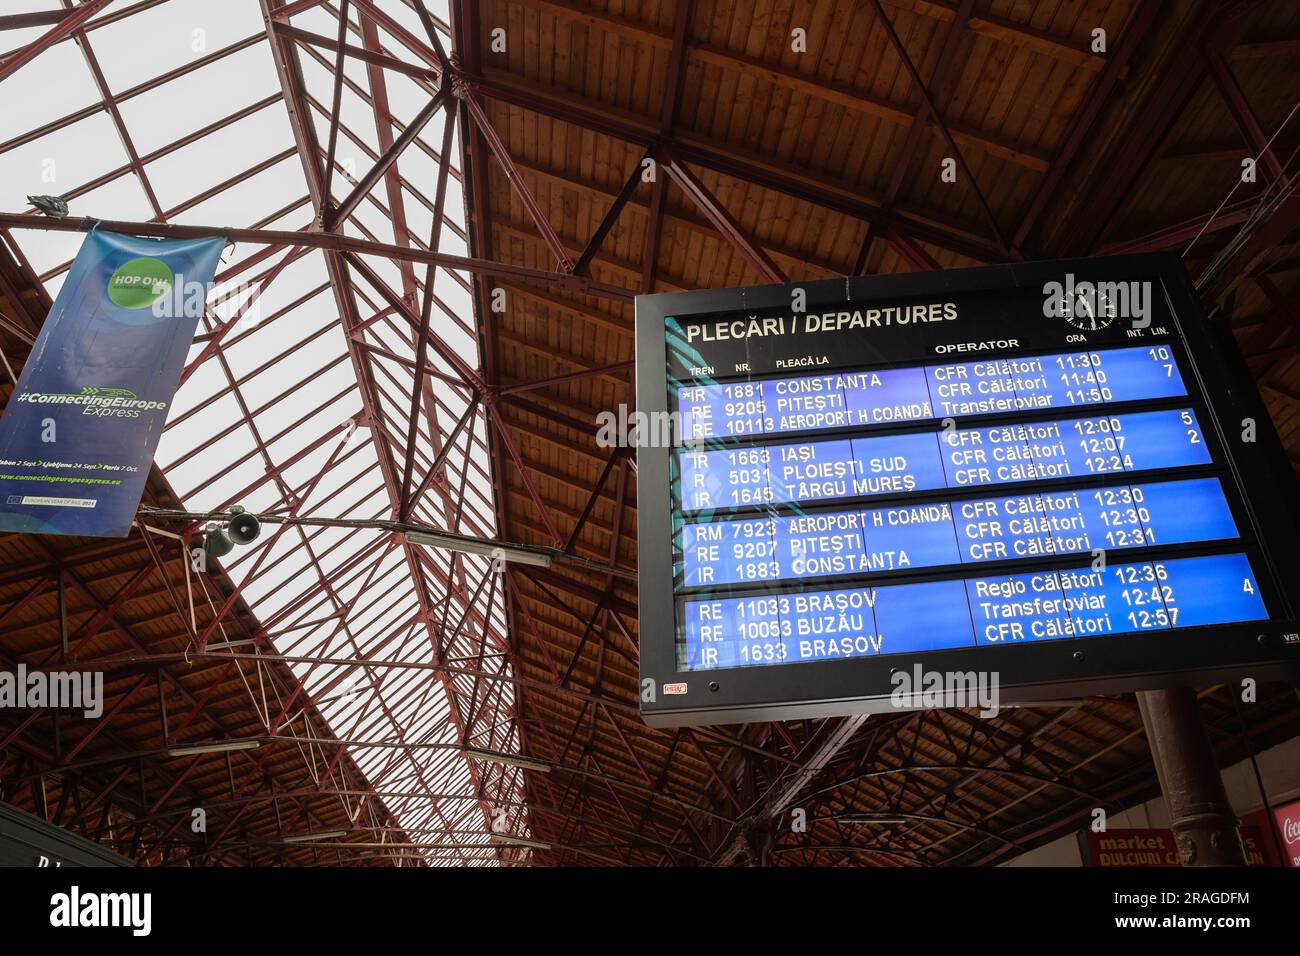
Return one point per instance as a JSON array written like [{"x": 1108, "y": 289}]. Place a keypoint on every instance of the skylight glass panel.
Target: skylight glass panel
[{"x": 288, "y": 414}]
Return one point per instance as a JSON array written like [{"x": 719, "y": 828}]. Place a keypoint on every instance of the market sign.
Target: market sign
[{"x": 1154, "y": 847}]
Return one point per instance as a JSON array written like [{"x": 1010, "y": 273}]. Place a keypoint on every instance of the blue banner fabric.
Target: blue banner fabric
[{"x": 82, "y": 425}]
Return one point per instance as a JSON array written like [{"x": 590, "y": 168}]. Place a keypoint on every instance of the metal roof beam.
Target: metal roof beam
[{"x": 65, "y": 27}]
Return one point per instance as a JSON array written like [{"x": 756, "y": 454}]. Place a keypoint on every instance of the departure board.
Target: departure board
[
  {"x": 1066, "y": 602},
  {"x": 964, "y": 470},
  {"x": 923, "y": 392},
  {"x": 749, "y": 475}
]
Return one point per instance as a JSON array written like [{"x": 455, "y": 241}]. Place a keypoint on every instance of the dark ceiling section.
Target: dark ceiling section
[{"x": 778, "y": 164}]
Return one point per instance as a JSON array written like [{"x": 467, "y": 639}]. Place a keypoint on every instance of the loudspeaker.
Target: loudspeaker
[
  {"x": 216, "y": 543},
  {"x": 244, "y": 528}
]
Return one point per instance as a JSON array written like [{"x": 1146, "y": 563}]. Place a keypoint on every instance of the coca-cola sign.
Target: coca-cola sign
[{"x": 1287, "y": 819}]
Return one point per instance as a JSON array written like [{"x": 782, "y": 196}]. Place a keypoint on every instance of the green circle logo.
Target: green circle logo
[{"x": 139, "y": 283}]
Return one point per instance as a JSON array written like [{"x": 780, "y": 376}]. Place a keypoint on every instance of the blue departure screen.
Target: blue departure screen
[
  {"x": 968, "y": 612},
  {"x": 925, "y": 392},
  {"x": 887, "y": 533},
  {"x": 778, "y": 547},
  {"x": 747, "y": 475}
]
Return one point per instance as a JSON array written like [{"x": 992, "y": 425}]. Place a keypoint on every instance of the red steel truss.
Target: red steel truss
[{"x": 358, "y": 378}]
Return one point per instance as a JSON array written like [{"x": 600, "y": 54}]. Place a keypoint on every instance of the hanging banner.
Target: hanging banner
[{"x": 81, "y": 427}]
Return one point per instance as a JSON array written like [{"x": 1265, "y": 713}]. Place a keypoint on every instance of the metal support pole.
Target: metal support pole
[{"x": 1205, "y": 828}]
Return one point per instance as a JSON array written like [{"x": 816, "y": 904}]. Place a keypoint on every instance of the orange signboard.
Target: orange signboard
[{"x": 1156, "y": 847}]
